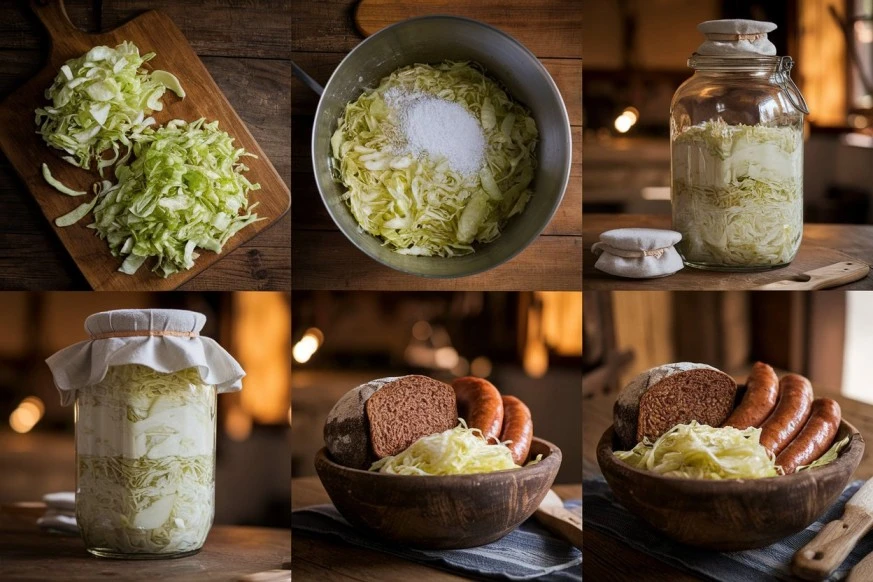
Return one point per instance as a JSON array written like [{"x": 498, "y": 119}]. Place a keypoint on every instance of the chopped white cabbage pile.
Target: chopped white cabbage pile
[
  {"x": 101, "y": 101},
  {"x": 457, "y": 451},
  {"x": 738, "y": 194},
  {"x": 184, "y": 190},
  {"x": 699, "y": 451},
  {"x": 145, "y": 459},
  {"x": 422, "y": 206}
]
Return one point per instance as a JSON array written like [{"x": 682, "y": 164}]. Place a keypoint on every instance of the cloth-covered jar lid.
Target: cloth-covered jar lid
[
  {"x": 638, "y": 253},
  {"x": 736, "y": 37},
  {"x": 165, "y": 340}
]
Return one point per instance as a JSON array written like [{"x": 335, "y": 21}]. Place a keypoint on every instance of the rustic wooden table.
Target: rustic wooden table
[
  {"x": 323, "y": 33},
  {"x": 231, "y": 553},
  {"x": 245, "y": 48},
  {"x": 608, "y": 559},
  {"x": 822, "y": 244},
  {"x": 315, "y": 558}
]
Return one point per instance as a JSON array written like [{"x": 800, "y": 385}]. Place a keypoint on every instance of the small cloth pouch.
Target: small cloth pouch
[
  {"x": 638, "y": 253},
  {"x": 165, "y": 340}
]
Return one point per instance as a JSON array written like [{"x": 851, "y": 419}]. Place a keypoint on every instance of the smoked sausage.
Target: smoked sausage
[
  {"x": 480, "y": 405},
  {"x": 815, "y": 438},
  {"x": 790, "y": 414},
  {"x": 517, "y": 427},
  {"x": 762, "y": 392}
]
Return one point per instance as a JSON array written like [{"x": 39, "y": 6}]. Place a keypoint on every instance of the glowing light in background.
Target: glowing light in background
[
  {"x": 857, "y": 364},
  {"x": 481, "y": 367},
  {"x": 238, "y": 424},
  {"x": 421, "y": 330},
  {"x": 462, "y": 368},
  {"x": 627, "y": 119},
  {"x": 307, "y": 346},
  {"x": 26, "y": 415},
  {"x": 446, "y": 357}
]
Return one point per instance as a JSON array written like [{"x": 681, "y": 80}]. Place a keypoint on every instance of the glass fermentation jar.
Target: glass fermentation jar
[
  {"x": 736, "y": 145},
  {"x": 145, "y": 463},
  {"x": 145, "y": 387}
]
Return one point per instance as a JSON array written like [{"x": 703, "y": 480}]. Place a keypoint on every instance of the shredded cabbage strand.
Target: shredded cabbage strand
[
  {"x": 829, "y": 457},
  {"x": 457, "y": 451},
  {"x": 145, "y": 461},
  {"x": 100, "y": 101},
  {"x": 738, "y": 193},
  {"x": 419, "y": 205},
  {"x": 184, "y": 190},
  {"x": 699, "y": 451}
]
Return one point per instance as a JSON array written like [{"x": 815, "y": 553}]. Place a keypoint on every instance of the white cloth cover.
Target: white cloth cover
[
  {"x": 638, "y": 253},
  {"x": 85, "y": 363},
  {"x": 736, "y": 37}
]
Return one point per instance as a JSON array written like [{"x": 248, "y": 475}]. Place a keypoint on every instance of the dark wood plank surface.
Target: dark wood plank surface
[
  {"x": 230, "y": 553},
  {"x": 314, "y": 558},
  {"x": 254, "y": 77},
  {"x": 322, "y": 34},
  {"x": 823, "y": 244},
  {"x": 608, "y": 559}
]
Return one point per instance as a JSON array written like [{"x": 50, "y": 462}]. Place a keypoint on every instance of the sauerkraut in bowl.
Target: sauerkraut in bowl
[
  {"x": 145, "y": 445},
  {"x": 737, "y": 194}
]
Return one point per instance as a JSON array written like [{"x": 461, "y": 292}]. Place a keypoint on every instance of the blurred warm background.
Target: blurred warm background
[
  {"x": 825, "y": 336},
  {"x": 37, "y": 451},
  {"x": 635, "y": 59},
  {"x": 527, "y": 344}
]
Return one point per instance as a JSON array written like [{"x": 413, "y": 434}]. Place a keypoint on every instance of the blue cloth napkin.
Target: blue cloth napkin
[
  {"x": 526, "y": 553},
  {"x": 605, "y": 514}
]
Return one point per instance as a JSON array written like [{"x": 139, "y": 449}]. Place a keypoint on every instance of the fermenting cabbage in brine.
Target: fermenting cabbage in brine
[
  {"x": 435, "y": 159},
  {"x": 145, "y": 446},
  {"x": 738, "y": 194}
]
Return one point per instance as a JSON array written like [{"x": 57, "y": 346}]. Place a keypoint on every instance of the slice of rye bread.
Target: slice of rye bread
[
  {"x": 407, "y": 409},
  {"x": 347, "y": 428},
  {"x": 659, "y": 399}
]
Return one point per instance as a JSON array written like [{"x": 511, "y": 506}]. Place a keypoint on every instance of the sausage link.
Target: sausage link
[
  {"x": 762, "y": 392},
  {"x": 790, "y": 414},
  {"x": 816, "y": 437},
  {"x": 479, "y": 404},
  {"x": 517, "y": 427}
]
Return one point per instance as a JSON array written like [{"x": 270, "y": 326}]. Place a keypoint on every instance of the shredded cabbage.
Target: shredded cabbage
[
  {"x": 457, "y": 451},
  {"x": 829, "y": 457},
  {"x": 699, "y": 451},
  {"x": 145, "y": 459},
  {"x": 184, "y": 190},
  {"x": 738, "y": 194},
  {"x": 102, "y": 101},
  {"x": 419, "y": 205}
]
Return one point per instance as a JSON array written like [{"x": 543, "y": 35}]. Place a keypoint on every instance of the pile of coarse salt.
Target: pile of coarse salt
[{"x": 440, "y": 129}]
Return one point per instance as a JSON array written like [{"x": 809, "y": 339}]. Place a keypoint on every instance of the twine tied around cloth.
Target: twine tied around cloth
[
  {"x": 600, "y": 247},
  {"x": 144, "y": 333},
  {"x": 732, "y": 37}
]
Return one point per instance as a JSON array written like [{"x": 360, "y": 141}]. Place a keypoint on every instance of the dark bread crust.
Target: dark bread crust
[{"x": 407, "y": 409}]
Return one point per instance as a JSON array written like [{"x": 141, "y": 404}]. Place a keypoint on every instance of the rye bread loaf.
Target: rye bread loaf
[
  {"x": 414, "y": 405},
  {"x": 659, "y": 399}
]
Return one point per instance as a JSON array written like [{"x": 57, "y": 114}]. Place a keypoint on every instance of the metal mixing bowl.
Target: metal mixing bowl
[{"x": 433, "y": 39}]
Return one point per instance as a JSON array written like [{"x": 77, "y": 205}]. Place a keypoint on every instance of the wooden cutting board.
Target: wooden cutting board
[{"x": 26, "y": 151}]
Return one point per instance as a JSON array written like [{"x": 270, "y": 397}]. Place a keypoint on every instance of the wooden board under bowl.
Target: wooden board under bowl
[{"x": 26, "y": 150}]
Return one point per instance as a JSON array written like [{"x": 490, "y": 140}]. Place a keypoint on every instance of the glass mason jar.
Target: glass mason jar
[
  {"x": 145, "y": 458},
  {"x": 736, "y": 147}
]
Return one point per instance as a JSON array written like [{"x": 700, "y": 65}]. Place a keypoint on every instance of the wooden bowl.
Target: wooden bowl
[
  {"x": 735, "y": 514},
  {"x": 440, "y": 512}
]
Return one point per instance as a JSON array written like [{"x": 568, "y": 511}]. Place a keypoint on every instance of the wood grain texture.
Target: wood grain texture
[
  {"x": 322, "y": 34},
  {"x": 823, "y": 245},
  {"x": 229, "y": 552},
  {"x": 258, "y": 88},
  {"x": 734, "y": 514},
  {"x": 526, "y": 20},
  {"x": 318, "y": 558},
  {"x": 327, "y": 260}
]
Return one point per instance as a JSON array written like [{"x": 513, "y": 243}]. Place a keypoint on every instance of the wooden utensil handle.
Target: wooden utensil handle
[
  {"x": 863, "y": 570},
  {"x": 564, "y": 523},
  {"x": 830, "y": 547},
  {"x": 54, "y": 18}
]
